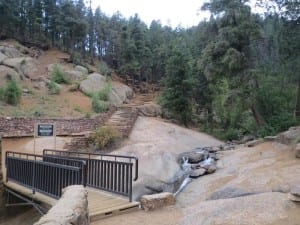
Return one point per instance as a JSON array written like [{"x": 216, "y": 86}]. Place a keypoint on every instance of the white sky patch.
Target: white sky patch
[{"x": 170, "y": 12}]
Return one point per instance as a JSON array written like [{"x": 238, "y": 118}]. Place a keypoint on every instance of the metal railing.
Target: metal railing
[
  {"x": 42, "y": 175},
  {"x": 112, "y": 173}
]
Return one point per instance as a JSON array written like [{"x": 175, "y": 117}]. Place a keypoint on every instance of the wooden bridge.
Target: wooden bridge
[{"x": 39, "y": 179}]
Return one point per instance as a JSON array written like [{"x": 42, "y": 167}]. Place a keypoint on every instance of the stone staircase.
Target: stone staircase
[{"x": 123, "y": 120}]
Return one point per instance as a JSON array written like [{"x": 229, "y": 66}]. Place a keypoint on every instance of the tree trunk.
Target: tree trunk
[
  {"x": 258, "y": 118},
  {"x": 297, "y": 110}
]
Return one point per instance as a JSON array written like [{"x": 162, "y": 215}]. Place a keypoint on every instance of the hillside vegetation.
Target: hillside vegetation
[{"x": 232, "y": 75}]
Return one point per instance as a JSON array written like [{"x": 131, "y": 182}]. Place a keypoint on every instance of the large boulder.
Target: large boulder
[
  {"x": 2, "y": 57},
  {"x": 150, "y": 109},
  {"x": 119, "y": 94},
  {"x": 229, "y": 192},
  {"x": 10, "y": 51},
  {"x": 7, "y": 73},
  {"x": 81, "y": 69},
  {"x": 23, "y": 65},
  {"x": 291, "y": 136},
  {"x": 94, "y": 83},
  {"x": 74, "y": 75}
]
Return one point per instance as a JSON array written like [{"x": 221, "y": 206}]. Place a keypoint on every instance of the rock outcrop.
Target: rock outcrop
[
  {"x": 25, "y": 66},
  {"x": 72, "y": 208},
  {"x": 94, "y": 83},
  {"x": 291, "y": 136}
]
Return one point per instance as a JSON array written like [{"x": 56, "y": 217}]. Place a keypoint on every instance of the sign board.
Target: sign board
[{"x": 45, "y": 130}]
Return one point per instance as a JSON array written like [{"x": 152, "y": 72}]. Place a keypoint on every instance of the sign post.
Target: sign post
[
  {"x": 42, "y": 130},
  {"x": 45, "y": 130}
]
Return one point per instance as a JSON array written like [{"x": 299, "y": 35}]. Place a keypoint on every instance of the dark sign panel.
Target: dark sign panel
[{"x": 45, "y": 130}]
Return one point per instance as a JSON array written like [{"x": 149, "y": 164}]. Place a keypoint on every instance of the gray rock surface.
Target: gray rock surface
[
  {"x": 2, "y": 57},
  {"x": 23, "y": 65},
  {"x": 10, "y": 51},
  {"x": 193, "y": 156},
  {"x": 291, "y": 136},
  {"x": 74, "y": 75},
  {"x": 263, "y": 209},
  {"x": 157, "y": 201},
  {"x": 229, "y": 192},
  {"x": 94, "y": 83},
  {"x": 72, "y": 208},
  {"x": 119, "y": 94},
  {"x": 81, "y": 69},
  {"x": 7, "y": 73},
  {"x": 197, "y": 173},
  {"x": 150, "y": 109}
]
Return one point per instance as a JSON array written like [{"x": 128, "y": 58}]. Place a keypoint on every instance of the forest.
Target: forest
[{"x": 236, "y": 74}]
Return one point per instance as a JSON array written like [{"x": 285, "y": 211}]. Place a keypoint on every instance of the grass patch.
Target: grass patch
[
  {"x": 54, "y": 88},
  {"x": 58, "y": 75}
]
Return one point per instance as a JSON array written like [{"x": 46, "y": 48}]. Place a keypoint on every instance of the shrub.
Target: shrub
[
  {"x": 12, "y": 93},
  {"x": 58, "y": 75},
  {"x": 104, "y": 69},
  {"x": 103, "y": 94},
  {"x": 54, "y": 88},
  {"x": 105, "y": 136},
  {"x": 98, "y": 105}
]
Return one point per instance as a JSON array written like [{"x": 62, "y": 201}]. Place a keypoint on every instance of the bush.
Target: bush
[
  {"x": 12, "y": 93},
  {"x": 54, "y": 89},
  {"x": 104, "y": 69},
  {"x": 58, "y": 75},
  {"x": 105, "y": 136},
  {"x": 103, "y": 94},
  {"x": 98, "y": 105}
]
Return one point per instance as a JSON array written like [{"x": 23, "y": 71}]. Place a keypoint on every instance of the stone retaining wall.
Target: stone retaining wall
[
  {"x": 72, "y": 208},
  {"x": 22, "y": 127}
]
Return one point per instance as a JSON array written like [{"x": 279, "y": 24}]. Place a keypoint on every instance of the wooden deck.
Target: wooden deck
[{"x": 101, "y": 204}]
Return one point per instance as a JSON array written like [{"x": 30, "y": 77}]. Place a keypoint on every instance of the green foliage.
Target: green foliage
[
  {"x": 177, "y": 87},
  {"x": 99, "y": 106},
  {"x": 12, "y": 93},
  {"x": 104, "y": 69},
  {"x": 105, "y": 136},
  {"x": 58, "y": 76},
  {"x": 54, "y": 88},
  {"x": 103, "y": 94}
]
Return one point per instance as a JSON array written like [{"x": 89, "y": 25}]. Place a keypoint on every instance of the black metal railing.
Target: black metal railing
[
  {"x": 113, "y": 173},
  {"x": 41, "y": 174}
]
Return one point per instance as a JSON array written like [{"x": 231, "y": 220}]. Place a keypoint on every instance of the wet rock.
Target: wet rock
[
  {"x": 228, "y": 192},
  {"x": 270, "y": 138},
  {"x": 194, "y": 156},
  {"x": 156, "y": 201},
  {"x": 293, "y": 198},
  {"x": 254, "y": 142},
  {"x": 214, "y": 156},
  {"x": 209, "y": 165},
  {"x": 197, "y": 173}
]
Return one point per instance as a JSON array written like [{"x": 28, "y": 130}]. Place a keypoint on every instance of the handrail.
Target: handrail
[
  {"x": 68, "y": 153},
  {"x": 38, "y": 173},
  {"x": 112, "y": 173}
]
